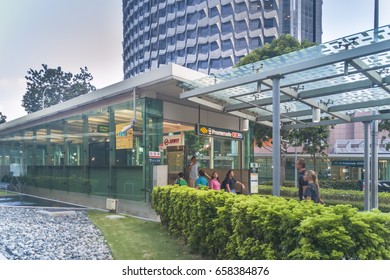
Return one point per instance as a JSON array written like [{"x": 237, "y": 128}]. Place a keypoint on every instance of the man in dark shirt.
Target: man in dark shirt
[{"x": 300, "y": 165}]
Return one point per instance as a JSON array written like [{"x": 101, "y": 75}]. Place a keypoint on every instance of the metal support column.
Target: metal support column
[
  {"x": 111, "y": 187},
  {"x": 276, "y": 136},
  {"x": 376, "y": 20},
  {"x": 367, "y": 187},
  {"x": 211, "y": 154},
  {"x": 374, "y": 128},
  {"x": 374, "y": 165}
]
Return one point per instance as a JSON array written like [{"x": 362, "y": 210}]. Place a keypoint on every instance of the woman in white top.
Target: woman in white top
[{"x": 193, "y": 169}]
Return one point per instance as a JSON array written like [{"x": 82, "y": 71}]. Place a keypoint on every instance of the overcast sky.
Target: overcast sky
[{"x": 78, "y": 33}]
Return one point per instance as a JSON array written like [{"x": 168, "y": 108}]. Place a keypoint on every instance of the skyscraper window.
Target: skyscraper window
[
  {"x": 226, "y": 28},
  {"x": 241, "y": 26},
  {"x": 214, "y": 12},
  {"x": 178, "y": 28},
  {"x": 227, "y": 10},
  {"x": 240, "y": 7}
]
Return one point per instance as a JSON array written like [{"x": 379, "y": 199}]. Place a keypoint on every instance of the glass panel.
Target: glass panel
[
  {"x": 227, "y": 10},
  {"x": 226, "y": 27},
  {"x": 225, "y": 154},
  {"x": 317, "y": 77}
]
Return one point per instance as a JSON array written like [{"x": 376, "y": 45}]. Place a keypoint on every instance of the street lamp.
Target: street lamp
[
  {"x": 43, "y": 96},
  {"x": 51, "y": 86}
]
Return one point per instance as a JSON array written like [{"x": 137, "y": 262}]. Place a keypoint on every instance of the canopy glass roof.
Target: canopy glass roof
[{"x": 341, "y": 77}]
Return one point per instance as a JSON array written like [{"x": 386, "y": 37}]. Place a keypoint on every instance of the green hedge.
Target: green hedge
[
  {"x": 326, "y": 184},
  {"x": 340, "y": 184},
  {"x": 227, "y": 226},
  {"x": 334, "y": 197}
]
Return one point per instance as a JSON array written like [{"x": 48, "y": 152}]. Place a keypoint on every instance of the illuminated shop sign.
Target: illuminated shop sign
[
  {"x": 172, "y": 140},
  {"x": 210, "y": 131}
]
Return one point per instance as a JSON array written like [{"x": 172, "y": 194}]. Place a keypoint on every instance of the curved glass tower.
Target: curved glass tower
[{"x": 208, "y": 36}]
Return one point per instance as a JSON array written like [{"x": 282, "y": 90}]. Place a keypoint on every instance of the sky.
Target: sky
[{"x": 78, "y": 33}]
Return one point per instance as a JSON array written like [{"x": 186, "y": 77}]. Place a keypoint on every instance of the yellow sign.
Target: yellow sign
[{"x": 124, "y": 140}]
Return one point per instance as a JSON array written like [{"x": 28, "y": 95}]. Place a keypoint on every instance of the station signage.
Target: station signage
[
  {"x": 103, "y": 128},
  {"x": 124, "y": 140},
  {"x": 254, "y": 178},
  {"x": 352, "y": 163},
  {"x": 210, "y": 131},
  {"x": 154, "y": 157}
]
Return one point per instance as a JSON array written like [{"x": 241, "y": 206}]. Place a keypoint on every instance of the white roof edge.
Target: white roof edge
[{"x": 166, "y": 72}]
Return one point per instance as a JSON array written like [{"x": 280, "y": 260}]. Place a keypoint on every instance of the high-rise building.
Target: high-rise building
[{"x": 209, "y": 35}]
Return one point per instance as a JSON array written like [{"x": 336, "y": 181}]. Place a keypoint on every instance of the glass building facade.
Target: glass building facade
[
  {"x": 79, "y": 151},
  {"x": 88, "y": 153},
  {"x": 209, "y": 36}
]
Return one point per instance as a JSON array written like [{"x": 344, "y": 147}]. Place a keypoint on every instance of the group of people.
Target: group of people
[
  {"x": 197, "y": 178},
  {"x": 308, "y": 187}
]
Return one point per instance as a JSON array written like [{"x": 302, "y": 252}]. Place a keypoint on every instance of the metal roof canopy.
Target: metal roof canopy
[
  {"x": 347, "y": 75},
  {"x": 344, "y": 76}
]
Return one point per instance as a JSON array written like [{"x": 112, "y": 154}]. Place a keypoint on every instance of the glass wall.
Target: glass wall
[{"x": 89, "y": 153}]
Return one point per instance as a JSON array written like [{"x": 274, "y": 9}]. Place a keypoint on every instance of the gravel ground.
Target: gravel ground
[{"x": 29, "y": 234}]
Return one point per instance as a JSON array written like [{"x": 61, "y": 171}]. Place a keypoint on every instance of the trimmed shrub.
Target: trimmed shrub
[
  {"x": 227, "y": 226},
  {"x": 334, "y": 197},
  {"x": 327, "y": 184},
  {"x": 340, "y": 185}
]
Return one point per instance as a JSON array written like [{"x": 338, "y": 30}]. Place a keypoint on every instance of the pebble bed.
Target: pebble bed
[{"x": 28, "y": 234}]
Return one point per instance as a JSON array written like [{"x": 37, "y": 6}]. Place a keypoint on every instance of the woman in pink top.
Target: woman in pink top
[{"x": 214, "y": 182}]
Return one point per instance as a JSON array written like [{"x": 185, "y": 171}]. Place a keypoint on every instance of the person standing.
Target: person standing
[
  {"x": 180, "y": 180},
  {"x": 300, "y": 165},
  {"x": 229, "y": 182},
  {"x": 201, "y": 181},
  {"x": 214, "y": 182},
  {"x": 193, "y": 169},
  {"x": 312, "y": 190}
]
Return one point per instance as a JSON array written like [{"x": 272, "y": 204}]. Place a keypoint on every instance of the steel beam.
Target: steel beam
[{"x": 276, "y": 137}]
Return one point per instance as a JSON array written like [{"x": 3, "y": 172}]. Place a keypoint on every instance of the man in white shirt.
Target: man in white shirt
[{"x": 193, "y": 169}]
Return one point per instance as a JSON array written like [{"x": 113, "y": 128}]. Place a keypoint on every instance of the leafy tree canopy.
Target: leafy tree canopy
[
  {"x": 314, "y": 141},
  {"x": 3, "y": 118},
  {"x": 54, "y": 86},
  {"x": 284, "y": 44},
  {"x": 195, "y": 143},
  {"x": 385, "y": 126}
]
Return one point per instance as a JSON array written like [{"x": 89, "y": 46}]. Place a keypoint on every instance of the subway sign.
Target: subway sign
[
  {"x": 352, "y": 163},
  {"x": 210, "y": 131}
]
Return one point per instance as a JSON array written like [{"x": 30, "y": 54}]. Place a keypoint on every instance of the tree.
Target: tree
[
  {"x": 54, "y": 86},
  {"x": 314, "y": 141},
  {"x": 283, "y": 45},
  {"x": 384, "y": 125},
  {"x": 3, "y": 118},
  {"x": 194, "y": 143}
]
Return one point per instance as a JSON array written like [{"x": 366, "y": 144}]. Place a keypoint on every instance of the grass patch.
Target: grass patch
[
  {"x": 134, "y": 239},
  {"x": 3, "y": 193}
]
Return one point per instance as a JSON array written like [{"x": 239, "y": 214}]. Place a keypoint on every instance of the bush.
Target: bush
[
  {"x": 340, "y": 185},
  {"x": 227, "y": 226},
  {"x": 327, "y": 184},
  {"x": 334, "y": 197},
  {"x": 289, "y": 184}
]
